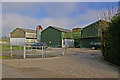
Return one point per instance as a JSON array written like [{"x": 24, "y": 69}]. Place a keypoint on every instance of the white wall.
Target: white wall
[
  {"x": 31, "y": 41},
  {"x": 17, "y": 41},
  {"x": 68, "y": 42},
  {"x": 30, "y": 35}
]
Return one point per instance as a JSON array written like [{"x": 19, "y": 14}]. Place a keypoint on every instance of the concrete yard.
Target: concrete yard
[{"x": 76, "y": 63}]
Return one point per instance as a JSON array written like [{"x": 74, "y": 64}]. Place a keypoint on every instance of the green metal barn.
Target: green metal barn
[
  {"x": 55, "y": 36},
  {"x": 84, "y": 37}
]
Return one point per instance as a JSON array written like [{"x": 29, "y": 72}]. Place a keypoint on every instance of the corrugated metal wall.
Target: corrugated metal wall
[
  {"x": 90, "y": 31},
  {"x": 77, "y": 33},
  {"x": 67, "y": 35},
  {"x": 85, "y": 36},
  {"x": 51, "y": 36},
  {"x": 17, "y": 33},
  {"x": 85, "y": 42}
]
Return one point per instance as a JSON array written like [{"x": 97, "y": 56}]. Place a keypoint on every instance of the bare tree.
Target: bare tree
[
  {"x": 104, "y": 18},
  {"x": 106, "y": 14}
]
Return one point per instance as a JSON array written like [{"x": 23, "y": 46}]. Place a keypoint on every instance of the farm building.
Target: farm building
[
  {"x": 57, "y": 37},
  {"x": 90, "y": 34},
  {"x": 21, "y": 36}
]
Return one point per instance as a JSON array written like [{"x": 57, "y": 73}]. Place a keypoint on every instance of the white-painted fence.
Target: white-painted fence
[{"x": 26, "y": 51}]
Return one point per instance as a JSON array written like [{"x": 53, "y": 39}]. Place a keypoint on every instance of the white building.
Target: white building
[{"x": 22, "y": 36}]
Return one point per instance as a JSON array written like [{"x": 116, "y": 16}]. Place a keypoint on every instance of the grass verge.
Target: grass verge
[
  {"x": 7, "y": 48},
  {"x": 4, "y": 57}
]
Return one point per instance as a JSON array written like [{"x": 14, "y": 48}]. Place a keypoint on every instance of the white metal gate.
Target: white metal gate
[{"x": 26, "y": 51}]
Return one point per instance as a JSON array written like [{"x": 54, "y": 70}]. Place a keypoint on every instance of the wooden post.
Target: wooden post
[
  {"x": 24, "y": 55},
  {"x": 11, "y": 50}
]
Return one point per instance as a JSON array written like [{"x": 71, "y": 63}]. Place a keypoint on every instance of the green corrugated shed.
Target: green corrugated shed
[
  {"x": 67, "y": 35},
  {"x": 91, "y": 30},
  {"x": 77, "y": 33},
  {"x": 88, "y": 34},
  {"x": 53, "y": 35},
  {"x": 85, "y": 42}
]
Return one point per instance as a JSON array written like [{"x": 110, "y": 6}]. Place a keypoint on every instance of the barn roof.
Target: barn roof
[
  {"x": 25, "y": 30},
  {"x": 61, "y": 29},
  {"x": 95, "y": 22},
  {"x": 28, "y": 30}
]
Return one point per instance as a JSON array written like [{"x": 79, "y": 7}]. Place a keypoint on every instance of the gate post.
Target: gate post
[
  {"x": 63, "y": 52},
  {"x": 24, "y": 54},
  {"x": 11, "y": 50},
  {"x": 42, "y": 52}
]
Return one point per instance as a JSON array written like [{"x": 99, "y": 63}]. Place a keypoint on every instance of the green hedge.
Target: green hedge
[{"x": 111, "y": 42}]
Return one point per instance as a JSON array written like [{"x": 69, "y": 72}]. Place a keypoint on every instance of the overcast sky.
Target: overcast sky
[{"x": 67, "y": 15}]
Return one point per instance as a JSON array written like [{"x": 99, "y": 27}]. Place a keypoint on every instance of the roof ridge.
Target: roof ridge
[
  {"x": 25, "y": 29},
  {"x": 61, "y": 29},
  {"x": 93, "y": 23}
]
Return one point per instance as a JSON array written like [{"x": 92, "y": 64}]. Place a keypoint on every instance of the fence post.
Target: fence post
[
  {"x": 20, "y": 47},
  {"x": 31, "y": 49},
  {"x": 11, "y": 50},
  {"x": 63, "y": 52},
  {"x": 42, "y": 52},
  {"x": 24, "y": 55}
]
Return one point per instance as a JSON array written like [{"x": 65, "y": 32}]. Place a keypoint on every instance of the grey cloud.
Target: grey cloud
[
  {"x": 57, "y": 15},
  {"x": 11, "y": 21},
  {"x": 77, "y": 21},
  {"x": 53, "y": 9},
  {"x": 64, "y": 9}
]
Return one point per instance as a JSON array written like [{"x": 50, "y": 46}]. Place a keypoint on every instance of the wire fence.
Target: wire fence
[{"x": 23, "y": 51}]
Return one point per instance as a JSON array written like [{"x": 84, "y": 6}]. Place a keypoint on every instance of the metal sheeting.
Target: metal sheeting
[
  {"x": 85, "y": 42},
  {"x": 51, "y": 37},
  {"x": 67, "y": 35},
  {"x": 77, "y": 32}
]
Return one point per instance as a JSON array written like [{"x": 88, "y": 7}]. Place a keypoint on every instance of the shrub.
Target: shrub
[{"x": 111, "y": 49}]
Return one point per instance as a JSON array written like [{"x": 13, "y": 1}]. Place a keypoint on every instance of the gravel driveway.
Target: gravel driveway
[{"x": 76, "y": 63}]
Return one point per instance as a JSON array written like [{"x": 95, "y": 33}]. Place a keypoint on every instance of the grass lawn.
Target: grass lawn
[
  {"x": 4, "y": 57},
  {"x": 4, "y": 48},
  {"x": 7, "y": 48}
]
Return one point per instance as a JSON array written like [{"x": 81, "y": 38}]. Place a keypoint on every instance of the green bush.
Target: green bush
[{"x": 111, "y": 40}]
